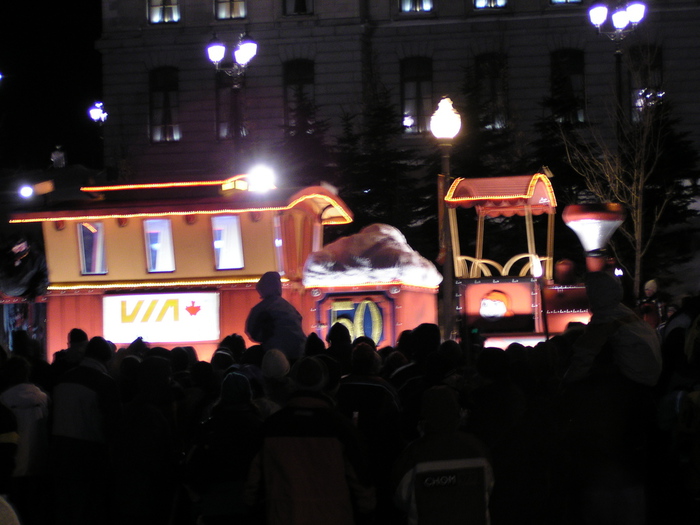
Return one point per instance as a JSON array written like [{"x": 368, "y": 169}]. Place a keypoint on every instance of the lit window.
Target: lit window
[
  {"x": 228, "y": 246},
  {"x": 227, "y": 9},
  {"x": 646, "y": 79},
  {"x": 298, "y": 7},
  {"x": 491, "y": 95},
  {"x": 417, "y": 93},
  {"x": 487, "y": 4},
  {"x": 298, "y": 77},
  {"x": 91, "y": 237},
  {"x": 163, "y": 11},
  {"x": 416, "y": 6},
  {"x": 159, "y": 245},
  {"x": 568, "y": 86},
  {"x": 164, "y": 111}
]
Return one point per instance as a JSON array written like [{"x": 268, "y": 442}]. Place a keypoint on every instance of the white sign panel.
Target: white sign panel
[{"x": 162, "y": 318}]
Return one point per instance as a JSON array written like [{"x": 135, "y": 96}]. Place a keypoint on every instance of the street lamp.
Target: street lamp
[
  {"x": 445, "y": 124},
  {"x": 97, "y": 113},
  {"x": 243, "y": 53},
  {"x": 624, "y": 19}
]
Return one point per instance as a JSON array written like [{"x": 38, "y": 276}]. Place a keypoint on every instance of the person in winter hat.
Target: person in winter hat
[{"x": 274, "y": 322}]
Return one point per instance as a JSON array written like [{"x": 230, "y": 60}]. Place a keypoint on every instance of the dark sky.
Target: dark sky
[{"x": 51, "y": 75}]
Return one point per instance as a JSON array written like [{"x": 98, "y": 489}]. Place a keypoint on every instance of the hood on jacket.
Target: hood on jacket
[
  {"x": 604, "y": 291},
  {"x": 269, "y": 285}
]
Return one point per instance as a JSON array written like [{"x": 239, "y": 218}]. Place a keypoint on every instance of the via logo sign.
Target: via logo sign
[{"x": 161, "y": 318}]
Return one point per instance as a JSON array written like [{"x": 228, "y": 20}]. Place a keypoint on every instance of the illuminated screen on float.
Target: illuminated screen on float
[{"x": 500, "y": 305}]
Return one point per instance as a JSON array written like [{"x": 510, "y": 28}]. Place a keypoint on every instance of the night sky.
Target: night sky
[{"x": 51, "y": 76}]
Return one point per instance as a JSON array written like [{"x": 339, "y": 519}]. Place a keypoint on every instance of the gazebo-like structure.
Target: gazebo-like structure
[{"x": 524, "y": 195}]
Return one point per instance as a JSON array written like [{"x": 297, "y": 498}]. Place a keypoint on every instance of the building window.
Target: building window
[
  {"x": 228, "y": 246},
  {"x": 298, "y": 7},
  {"x": 491, "y": 90},
  {"x": 159, "y": 245},
  {"x": 163, "y": 88},
  {"x": 489, "y": 4},
  {"x": 227, "y": 9},
  {"x": 298, "y": 77},
  {"x": 646, "y": 79},
  {"x": 416, "y": 6},
  {"x": 568, "y": 86},
  {"x": 163, "y": 11},
  {"x": 91, "y": 237},
  {"x": 416, "y": 93}
]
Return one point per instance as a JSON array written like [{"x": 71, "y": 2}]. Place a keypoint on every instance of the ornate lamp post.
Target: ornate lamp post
[
  {"x": 243, "y": 53},
  {"x": 445, "y": 124},
  {"x": 622, "y": 21}
]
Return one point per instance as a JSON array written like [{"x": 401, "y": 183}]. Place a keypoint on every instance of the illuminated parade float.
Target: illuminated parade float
[
  {"x": 177, "y": 264},
  {"x": 519, "y": 299}
]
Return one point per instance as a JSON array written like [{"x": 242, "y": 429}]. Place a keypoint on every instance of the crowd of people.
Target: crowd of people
[{"x": 600, "y": 424}]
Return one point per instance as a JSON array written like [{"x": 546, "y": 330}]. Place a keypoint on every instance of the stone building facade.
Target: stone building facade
[{"x": 170, "y": 111}]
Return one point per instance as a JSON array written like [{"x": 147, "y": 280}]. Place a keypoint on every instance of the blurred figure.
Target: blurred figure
[
  {"x": 274, "y": 322},
  {"x": 310, "y": 470},
  {"x": 86, "y": 412},
  {"x": 443, "y": 477},
  {"x": 30, "y": 405}
]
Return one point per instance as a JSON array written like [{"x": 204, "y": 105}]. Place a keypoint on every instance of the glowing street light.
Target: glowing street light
[
  {"x": 243, "y": 53},
  {"x": 445, "y": 124},
  {"x": 97, "y": 112},
  {"x": 624, "y": 19}
]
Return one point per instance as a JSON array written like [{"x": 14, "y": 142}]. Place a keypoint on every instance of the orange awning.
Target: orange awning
[{"x": 504, "y": 196}]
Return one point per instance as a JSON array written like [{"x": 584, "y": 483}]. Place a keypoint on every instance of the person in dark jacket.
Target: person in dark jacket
[
  {"x": 310, "y": 469},
  {"x": 274, "y": 322}
]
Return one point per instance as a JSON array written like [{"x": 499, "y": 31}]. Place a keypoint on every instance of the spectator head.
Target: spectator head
[
  {"x": 339, "y": 335},
  {"x": 365, "y": 360},
  {"x": 15, "y": 371},
  {"x": 99, "y": 349},
  {"x": 275, "y": 364},
  {"x": 269, "y": 285},
  {"x": 236, "y": 390},
  {"x": 492, "y": 363},
  {"x": 364, "y": 339},
  {"x": 76, "y": 337},
  {"x": 310, "y": 374},
  {"x": 440, "y": 411},
  {"x": 603, "y": 290},
  {"x": 314, "y": 345}
]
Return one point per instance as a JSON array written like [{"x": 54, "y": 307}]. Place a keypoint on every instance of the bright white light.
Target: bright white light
[
  {"x": 598, "y": 14},
  {"x": 536, "y": 267},
  {"x": 445, "y": 122},
  {"x": 26, "y": 191},
  {"x": 620, "y": 19},
  {"x": 216, "y": 50},
  {"x": 636, "y": 11},
  {"x": 619, "y": 272},
  {"x": 245, "y": 51},
  {"x": 97, "y": 112},
  {"x": 261, "y": 179}
]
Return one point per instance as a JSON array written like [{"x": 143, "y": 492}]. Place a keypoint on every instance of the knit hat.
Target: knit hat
[
  {"x": 235, "y": 389},
  {"x": 310, "y": 373},
  {"x": 275, "y": 364}
]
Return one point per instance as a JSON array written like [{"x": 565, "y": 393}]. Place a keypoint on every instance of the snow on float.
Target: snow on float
[{"x": 177, "y": 262}]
